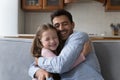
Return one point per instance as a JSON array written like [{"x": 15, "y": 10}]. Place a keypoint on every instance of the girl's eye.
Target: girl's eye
[
  {"x": 47, "y": 39},
  {"x": 55, "y": 37}
]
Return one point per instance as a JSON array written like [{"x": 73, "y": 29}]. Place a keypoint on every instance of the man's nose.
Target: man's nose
[{"x": 61, "y": 27}]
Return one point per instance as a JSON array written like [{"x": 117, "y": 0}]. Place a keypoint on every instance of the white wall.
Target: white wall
[
  {"x": 20, "y": 19},
  {"x": 8, "y": 17},
  {"x": 89, "y": 16}
]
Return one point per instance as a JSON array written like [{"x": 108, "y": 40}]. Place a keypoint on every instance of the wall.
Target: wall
[
  {"x": 89, "y": 16},
  {"x": 20, "y": 19},
  {"x": 11, "y": 18},
  {"x": 8, "y": 17}
]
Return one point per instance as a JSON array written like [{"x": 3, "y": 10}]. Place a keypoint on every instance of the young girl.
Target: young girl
[{"x": 46, "y": 44}]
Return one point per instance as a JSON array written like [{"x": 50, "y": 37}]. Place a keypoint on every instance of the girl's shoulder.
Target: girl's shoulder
[{"x": 47, "y": 53}]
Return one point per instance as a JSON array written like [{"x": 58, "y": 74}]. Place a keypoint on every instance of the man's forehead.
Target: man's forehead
[
  {"x": 60, "y": 19},
  {"x": 60, "y": 22}
]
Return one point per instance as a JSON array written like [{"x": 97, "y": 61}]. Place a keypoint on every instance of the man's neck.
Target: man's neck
[{"x": 63, "y": 41}]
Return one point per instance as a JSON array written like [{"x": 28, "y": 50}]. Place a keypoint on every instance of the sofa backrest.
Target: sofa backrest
[
  {"x": 108, "y": 53},
  {"x": 15, "y": 58}
]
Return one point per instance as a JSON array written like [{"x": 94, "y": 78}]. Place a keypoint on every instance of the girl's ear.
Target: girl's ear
[{"x": 39, "y": 39}]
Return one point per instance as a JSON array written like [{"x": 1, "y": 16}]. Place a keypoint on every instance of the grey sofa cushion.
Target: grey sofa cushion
[{"x": 15, "y": 58}]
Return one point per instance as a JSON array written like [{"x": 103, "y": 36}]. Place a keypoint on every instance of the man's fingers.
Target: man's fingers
[
  {"x": 86, "y": 48},
  {"x": 48, "y": 75},
  {"x": 88, "y": 44},
  {"x": 41, "y": 78},
  {"x": 42, "y": 74}
]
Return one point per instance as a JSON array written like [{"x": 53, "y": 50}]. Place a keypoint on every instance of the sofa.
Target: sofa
[
  {"x": 15, "y": 58},
  {"x": 108, "y": 53}
]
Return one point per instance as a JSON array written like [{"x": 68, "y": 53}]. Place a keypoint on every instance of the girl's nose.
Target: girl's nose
[{"x": 52, "y": 40}]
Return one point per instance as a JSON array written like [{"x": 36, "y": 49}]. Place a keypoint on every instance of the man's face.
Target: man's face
[{"x": 64, "y": 26}]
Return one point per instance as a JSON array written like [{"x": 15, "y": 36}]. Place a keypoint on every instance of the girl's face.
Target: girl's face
[{"x": 49, "y": 39}]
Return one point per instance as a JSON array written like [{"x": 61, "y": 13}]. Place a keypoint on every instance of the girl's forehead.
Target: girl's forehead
[{"x": 49, "y": 31}]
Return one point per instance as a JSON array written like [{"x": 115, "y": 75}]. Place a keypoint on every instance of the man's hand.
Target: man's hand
[
  {"x": 42, "y": 74},
  {"x": 87, "y": 48},
  {"x": 36, "y": 61}
]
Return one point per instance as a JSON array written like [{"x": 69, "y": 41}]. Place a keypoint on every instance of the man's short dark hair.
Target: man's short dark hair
[{"x": 60, "y": 13}]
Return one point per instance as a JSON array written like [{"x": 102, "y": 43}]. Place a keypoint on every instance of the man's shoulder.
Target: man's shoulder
[{"x": 79, "y": 34}]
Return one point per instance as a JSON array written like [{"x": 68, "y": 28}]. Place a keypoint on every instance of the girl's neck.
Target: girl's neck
[{"x": 54, "y": 51}]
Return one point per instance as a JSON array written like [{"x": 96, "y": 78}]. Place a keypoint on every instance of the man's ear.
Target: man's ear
[{"x": 73, "y": 24}]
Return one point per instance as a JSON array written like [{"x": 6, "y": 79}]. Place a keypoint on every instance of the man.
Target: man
[{"x": 73, "y": 45}]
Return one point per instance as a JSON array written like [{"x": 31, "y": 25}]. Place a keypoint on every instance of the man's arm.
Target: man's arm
[
  {"x": 86, "y": 50},
  {"x": 35, "y": 69},
  {"x": 68, "y": 55},
  {"x": 39, "y": 74}
]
